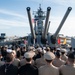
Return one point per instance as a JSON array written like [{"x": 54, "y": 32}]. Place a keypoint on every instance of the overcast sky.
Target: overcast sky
[{"x": 14, "y": 20}]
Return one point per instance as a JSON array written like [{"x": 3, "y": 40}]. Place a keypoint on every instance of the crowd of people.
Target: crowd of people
[{"x": 36, "y": 61}]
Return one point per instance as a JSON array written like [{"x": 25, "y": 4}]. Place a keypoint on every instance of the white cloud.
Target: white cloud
[
  {"x": 13, "y": 23},
  {"x": 4, "y": 27},
  {"x": 68, "y": 27},
  {"x": 18, "y": 20},
  {"x": 59, "y": 2},
  {"x": 3, "y": 11}
]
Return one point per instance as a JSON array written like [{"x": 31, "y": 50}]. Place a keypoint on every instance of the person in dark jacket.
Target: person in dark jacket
[
  {"x": 8, "y": 68},
  {"x": 28, "y": 69}
]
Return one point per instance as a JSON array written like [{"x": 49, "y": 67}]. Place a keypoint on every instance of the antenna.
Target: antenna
[{"x": 39, "y": 6}]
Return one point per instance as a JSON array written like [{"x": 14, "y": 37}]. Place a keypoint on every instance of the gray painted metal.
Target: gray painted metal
[
  {"x": 46, "y": 22},
  {"x": 30, "y": 21},
  {"x": 62, "y": 22}
]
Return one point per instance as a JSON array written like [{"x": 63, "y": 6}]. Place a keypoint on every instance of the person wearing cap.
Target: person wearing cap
[
  {"x": 38, "y": 53},
  {"x": 48, "y": 69},
  {"x": 28, "y": 69},
  {"x": 23, "y": 61},
  {"x": 8, "y": 68},
  {"x": 69, "y": 68},
  {"x": 63, "y": 54},
  {"x": 58, "y": 61},
  {"x": 15, "y": 62},
  {"x": 57, "y": 49},
  {"x": 40, "y": 61}
]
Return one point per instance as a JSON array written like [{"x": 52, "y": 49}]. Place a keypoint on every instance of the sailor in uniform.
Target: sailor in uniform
[
  {"x": 69, "y": 68},
  {"x": 48, "y": 69},
  {"x": 63, "y": 54},
  {"x": 40, "y": 61},
  {"x": 8, "y": 68},
  {"x": 23, "y": 61},
  {"x": 58, "y": 61},
  {"x": 28, "y": 68}
]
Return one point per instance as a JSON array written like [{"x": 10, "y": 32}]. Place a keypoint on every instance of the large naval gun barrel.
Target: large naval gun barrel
[
  {"x": 30, "y": 21},
  {"x": 48, "y": 26},
  {"x": 61, "y": 24},
  {"x": 46, "y": 23}
]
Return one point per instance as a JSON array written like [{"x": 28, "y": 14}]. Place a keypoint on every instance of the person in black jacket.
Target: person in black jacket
[
  {"x": 8, "y": 68},
  {"x": 28, "y": 69}
]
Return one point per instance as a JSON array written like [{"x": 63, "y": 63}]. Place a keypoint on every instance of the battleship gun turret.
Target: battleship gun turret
[
  {"x": 39, "y": 34},
  {"x": 53, "y": 37},
  {"x": 30, "y": 21},
  {"x": 32, "y": 37},
  {"x": 44, "y": 36}
]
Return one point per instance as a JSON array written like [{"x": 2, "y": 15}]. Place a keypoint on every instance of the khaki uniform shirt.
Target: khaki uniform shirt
[
  {"x": 67, "y": 70},
  {"x": 64, "y": 57},
  {"x": 58, "y": 62},
  {"x": 48, "y": 70},
  {"x": 40, "y": 62},
  {"x": 16, "y": 62}
]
